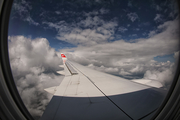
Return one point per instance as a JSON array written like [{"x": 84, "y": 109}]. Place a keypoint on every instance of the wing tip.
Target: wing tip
[{"x": 63, "y": 57}]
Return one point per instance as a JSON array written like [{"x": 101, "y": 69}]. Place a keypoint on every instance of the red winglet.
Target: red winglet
[{"x": 62, "y": 55}]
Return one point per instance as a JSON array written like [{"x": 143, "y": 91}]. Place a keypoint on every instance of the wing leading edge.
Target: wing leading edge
[{"x": 88, "y": 94}]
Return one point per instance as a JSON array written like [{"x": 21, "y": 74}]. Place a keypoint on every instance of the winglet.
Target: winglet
[
  {"x": 69, "y": 70},
  {"x": 63, "y": 57}
]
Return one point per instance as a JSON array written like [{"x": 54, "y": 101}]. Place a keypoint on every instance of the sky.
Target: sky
[{"x": 133, "y": 39}]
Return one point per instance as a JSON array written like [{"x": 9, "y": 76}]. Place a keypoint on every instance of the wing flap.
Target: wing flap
[{"x": 71, "y": 69}]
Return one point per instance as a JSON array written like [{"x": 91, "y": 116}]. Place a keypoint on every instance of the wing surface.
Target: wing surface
[{"x": 86, "y": 94}]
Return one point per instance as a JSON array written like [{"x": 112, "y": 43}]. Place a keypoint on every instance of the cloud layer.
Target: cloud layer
[{"x": 134, "y": 59}]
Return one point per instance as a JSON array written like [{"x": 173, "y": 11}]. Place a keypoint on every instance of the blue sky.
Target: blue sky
[{"x": 129, "y": 19}]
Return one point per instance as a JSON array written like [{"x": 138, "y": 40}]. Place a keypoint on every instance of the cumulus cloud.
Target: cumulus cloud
[
  {"x": 110, "y": 70},
  {"x": 165, "y": 77},
  {"x": 124, "y": 73},
  {"x": 137, "y": 69},
  {"x": 164, "y": 73},
  {"x": 34, "y": 64},
  {"x": 132, "y": 16},
  {"x": 88, "y": 31}
]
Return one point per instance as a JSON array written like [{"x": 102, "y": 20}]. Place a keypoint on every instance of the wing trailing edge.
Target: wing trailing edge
[
  {"x": 51, "y": 90},
  {"x": 61, "y": 72},
  {"x": 152, "y": 83}
]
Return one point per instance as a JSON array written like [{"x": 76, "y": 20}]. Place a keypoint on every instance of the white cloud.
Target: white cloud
[
  {"x": 57, "y": 26},
  {"x": 132, "y": 16},
  {"x": 122, "y": 29},
  {"x": 158, "y": 18},
  {"x": 31, "y": 21},
  {"x": 134, "y": 35},
  {"x": 91, "y": 21},
  {"x": 33, "y": 64},
  {"x": 95, "y": 31},
  {"x": 104, "y": 69},
  {"x": 165, "y": 77},
  {"x": 124, "y": 73},
  {"x": 22, "y": 7},
  {"x": 152, "y": 33},
  {"x": 31, "y": 53},
  {"x": 137, "y": 69},
  {"x": 170, "y": 27}
]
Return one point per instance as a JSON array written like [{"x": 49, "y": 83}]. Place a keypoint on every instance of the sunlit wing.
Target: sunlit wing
[{"x": 86, "y": 94}]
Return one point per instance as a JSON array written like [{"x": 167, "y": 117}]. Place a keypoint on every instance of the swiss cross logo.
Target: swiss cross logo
[{"x": 62, "y": 55}]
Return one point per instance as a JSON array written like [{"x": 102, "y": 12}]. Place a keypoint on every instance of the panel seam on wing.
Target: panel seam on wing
[{"x": 103, "y": 93}]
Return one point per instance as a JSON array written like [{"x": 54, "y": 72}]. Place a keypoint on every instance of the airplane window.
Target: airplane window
[{"x": 93, "y": 59}]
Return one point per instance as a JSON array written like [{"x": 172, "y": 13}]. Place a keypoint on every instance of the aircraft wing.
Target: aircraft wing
[{"x": 86, "y": 94}]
